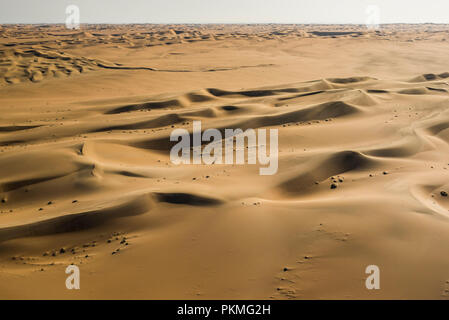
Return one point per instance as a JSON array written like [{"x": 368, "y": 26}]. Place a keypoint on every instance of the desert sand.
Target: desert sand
[{"x": 86, "y": 177}]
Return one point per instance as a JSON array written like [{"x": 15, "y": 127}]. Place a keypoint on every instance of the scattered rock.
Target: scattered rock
[
  {"x": 443, "y": 193},
  {"x": 333, "y": 186}
]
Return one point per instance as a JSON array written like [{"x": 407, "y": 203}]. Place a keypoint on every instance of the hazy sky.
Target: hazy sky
[{"x": 224, "y": 11}]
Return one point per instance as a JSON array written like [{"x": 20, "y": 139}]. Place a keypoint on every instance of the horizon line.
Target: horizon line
[{"x": 219, "y": 23}]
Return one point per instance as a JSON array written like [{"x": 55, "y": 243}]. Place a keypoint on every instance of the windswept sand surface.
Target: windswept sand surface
[{"x": 86, "y": 176}]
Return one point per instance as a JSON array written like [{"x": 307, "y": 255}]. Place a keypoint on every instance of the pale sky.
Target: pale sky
[{"x": 224, "y": 11}]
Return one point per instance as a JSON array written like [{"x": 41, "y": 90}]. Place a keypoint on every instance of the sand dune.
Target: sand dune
[{"x": 86, "y": 176}]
